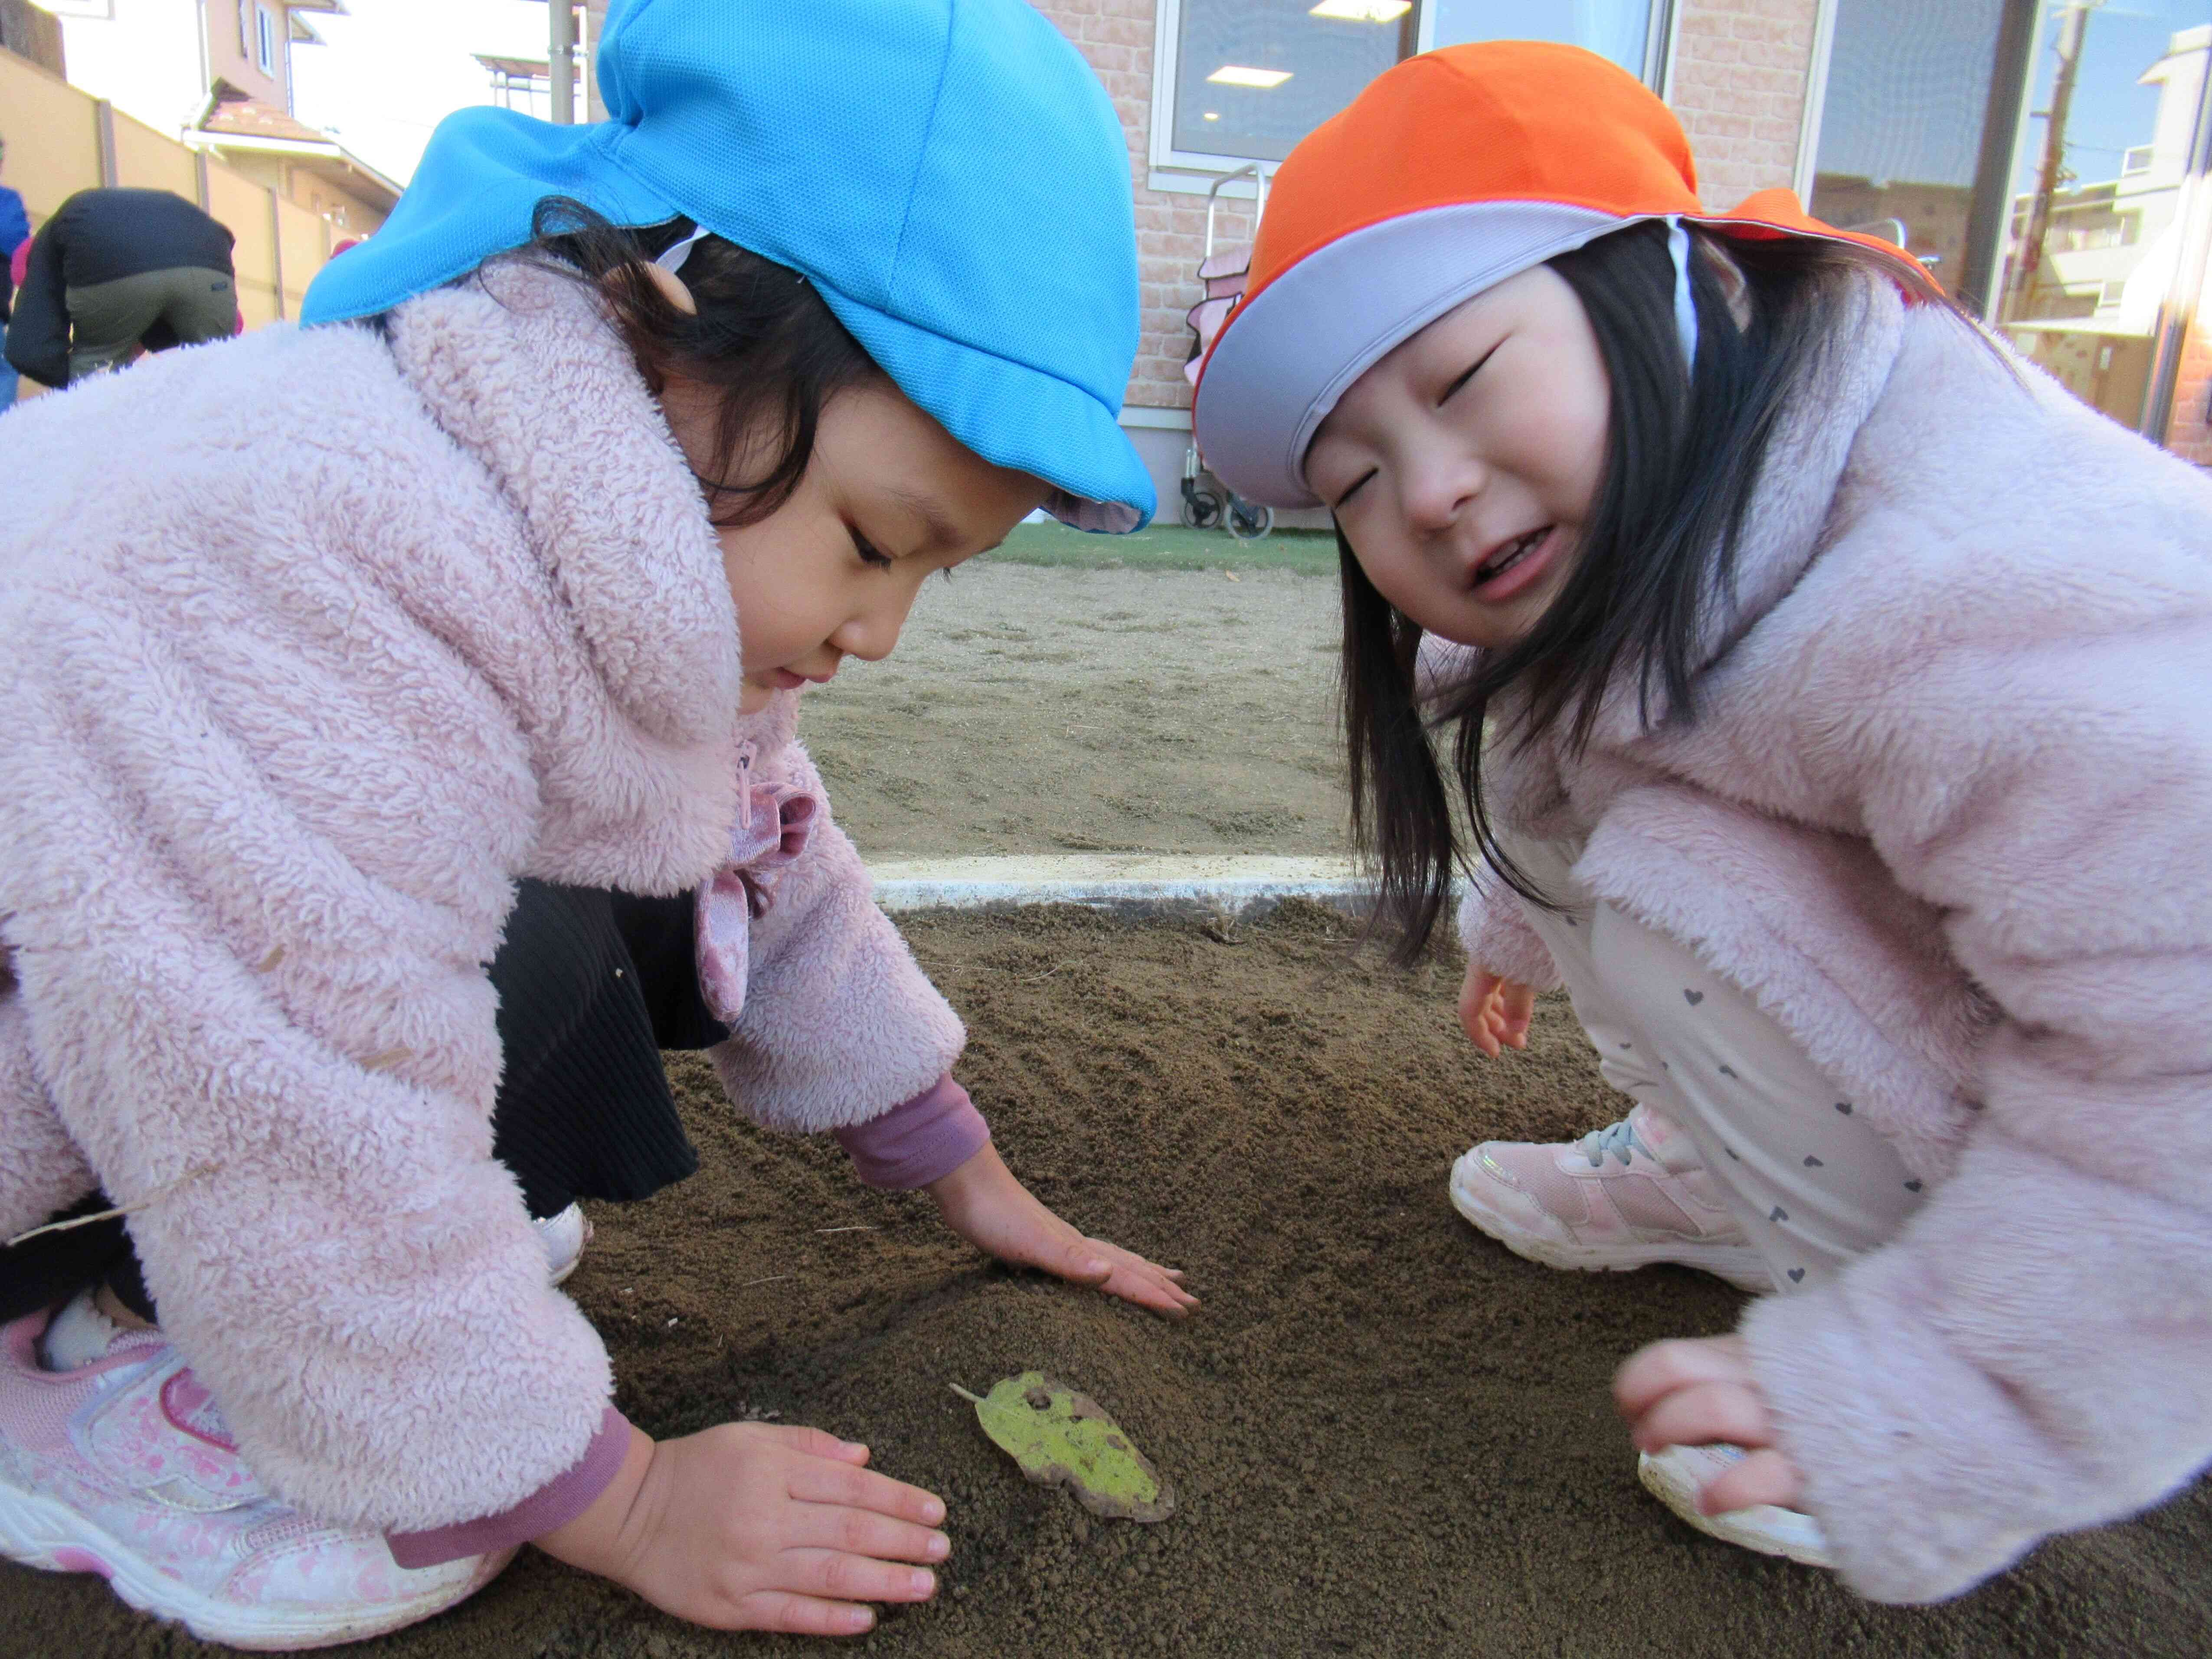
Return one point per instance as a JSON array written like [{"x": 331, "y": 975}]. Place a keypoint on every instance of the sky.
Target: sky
[
  {"x": 2111, "y": 113},
  {"x": 392, "y": 68}
]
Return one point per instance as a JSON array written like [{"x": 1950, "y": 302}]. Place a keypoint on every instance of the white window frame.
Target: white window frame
[
  {"x": 265, "y": 26},
  {"x": 1167, "y": 161}
]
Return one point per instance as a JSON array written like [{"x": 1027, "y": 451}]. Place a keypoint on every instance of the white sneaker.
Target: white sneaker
[
  {"x": 1676, "y": 1476},
  {"x": 1627, "y": 1196},
  {"x": 125, "y": 1467},
  {"x": 564, "y": 1237}
]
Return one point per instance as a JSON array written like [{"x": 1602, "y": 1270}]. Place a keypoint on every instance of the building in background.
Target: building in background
[
  {"x": 33, "y": 33},
  {"x": 217, "y": 74},
  {"x": 1206, "y": 87},
  {"x": 1924, "y": 119},
  {"x": 2048, "y": 159},
  {"x": 526, "y": 84}
]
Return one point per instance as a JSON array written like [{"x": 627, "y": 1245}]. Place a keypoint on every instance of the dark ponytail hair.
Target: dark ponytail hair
[
  {"x": 1684, "y": 453},
  {"x": 773, "y": 351}
]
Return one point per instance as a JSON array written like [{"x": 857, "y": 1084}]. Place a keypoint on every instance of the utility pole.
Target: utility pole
[
  {"x": 561, "y": 62},
  {"x": 2027, "y": 263}
]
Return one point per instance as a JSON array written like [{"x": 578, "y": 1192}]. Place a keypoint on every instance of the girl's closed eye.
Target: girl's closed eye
[
  {"x": 869, "y": 552},
  {"x": 1472, "y": 370}
]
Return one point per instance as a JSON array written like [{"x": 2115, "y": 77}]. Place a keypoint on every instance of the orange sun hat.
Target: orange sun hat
[{"x": 1451, "y": 173}]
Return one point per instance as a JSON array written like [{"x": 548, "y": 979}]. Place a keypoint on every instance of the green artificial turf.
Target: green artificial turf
[{"x": 1170, "y": 547}]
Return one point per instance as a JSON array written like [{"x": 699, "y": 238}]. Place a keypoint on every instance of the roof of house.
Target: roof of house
[
  {"x": 302, "y": 29},
  {"x": 250, "y": 117},
  {"x": 523, "y": 66},
  {"x": 236, "y": 121}
]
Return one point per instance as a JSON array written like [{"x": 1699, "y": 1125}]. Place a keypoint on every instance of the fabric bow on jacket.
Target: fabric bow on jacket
[{"x": 774, "y": 820}]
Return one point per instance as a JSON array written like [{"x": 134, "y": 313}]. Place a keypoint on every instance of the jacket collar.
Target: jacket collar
[{"x": 520, "y": 368}]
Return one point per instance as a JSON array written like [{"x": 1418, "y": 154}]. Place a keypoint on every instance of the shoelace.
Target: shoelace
[{"x": 1618, "y": 1138}]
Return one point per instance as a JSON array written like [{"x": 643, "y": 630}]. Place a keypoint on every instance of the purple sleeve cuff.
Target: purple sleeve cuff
[
  {"x": 551, "y": 1507},
  {"x": 912, "y": 1145}
]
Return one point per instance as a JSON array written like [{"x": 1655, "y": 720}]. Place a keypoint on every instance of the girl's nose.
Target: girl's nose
[
  {"x": 1437, "y": 489},
  {"x": 871, "y": 633}
]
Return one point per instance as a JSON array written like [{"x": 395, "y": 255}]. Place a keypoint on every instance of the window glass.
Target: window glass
[
  {"x": 1902, "y": 127},
  {"x": 1619, "y": 29},
  {"x": 2095, "y": 232},
  {"x": 265, "y": 36},
  {"x": 1254, "y": 76}
]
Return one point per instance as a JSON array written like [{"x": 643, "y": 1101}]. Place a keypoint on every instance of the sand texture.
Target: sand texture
[
  {"x": 1387, "y": 1435},
  {"x": 1032, "y": 710}
]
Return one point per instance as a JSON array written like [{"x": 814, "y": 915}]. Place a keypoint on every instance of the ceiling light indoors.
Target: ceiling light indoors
[
  {"x": 1214, "y": 115},
  {"x": 1363, "y": 11},
  {"x": 1236, "y": 75}
]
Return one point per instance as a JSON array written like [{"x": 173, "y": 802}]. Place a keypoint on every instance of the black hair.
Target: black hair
[
  {"x": 1684, "y": 453},
  {"x": 761, "y": 336}
]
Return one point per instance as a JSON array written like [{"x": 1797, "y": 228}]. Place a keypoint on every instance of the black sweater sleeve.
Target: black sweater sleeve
[{"x": 39, "y": 331}]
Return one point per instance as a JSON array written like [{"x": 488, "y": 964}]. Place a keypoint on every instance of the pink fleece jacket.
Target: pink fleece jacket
[
  {"x": 311, "y": 645},
  {"x": 1943, "y": 813}
]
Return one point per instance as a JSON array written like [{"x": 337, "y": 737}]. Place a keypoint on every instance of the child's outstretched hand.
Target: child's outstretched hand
[
  {"x": 1495, "y": 1012},
  {"x": 983, "y": 1202},
  {"x": 753, "y": 1526},
  {"x": 1694, "y": 1392}
]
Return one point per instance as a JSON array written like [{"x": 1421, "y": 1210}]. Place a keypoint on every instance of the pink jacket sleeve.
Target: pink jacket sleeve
[
  {"x": 2033, "y": 1354},
  {"x": 840, "y": 1023}
]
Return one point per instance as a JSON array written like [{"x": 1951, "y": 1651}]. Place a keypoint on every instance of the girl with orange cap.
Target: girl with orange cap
[{"x": 1827, "y": 697}]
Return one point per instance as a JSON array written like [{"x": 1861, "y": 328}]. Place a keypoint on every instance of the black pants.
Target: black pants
[{"x": 592, "y": 987}]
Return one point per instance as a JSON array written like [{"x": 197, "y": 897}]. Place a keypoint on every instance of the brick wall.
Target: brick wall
[
  {"x": 1739, "y": 87},
  {"x": 1116, "y": 36},
  {"x": 1740, "y": 80}
]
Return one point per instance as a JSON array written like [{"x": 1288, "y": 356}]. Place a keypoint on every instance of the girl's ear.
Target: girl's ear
[
  {"x": 1729, "y": 275},
  {"x": 673, "y": 290}
]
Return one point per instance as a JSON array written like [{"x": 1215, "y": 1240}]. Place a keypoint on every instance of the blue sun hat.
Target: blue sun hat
[{"x": 949, "y": 174}]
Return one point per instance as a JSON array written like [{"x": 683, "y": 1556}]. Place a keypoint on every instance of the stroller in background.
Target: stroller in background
[{"x": 1222, "y": 273}]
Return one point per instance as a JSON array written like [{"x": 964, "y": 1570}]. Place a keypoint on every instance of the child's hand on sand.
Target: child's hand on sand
[
  {"x": 753, "y": 1526},
  {"x": 983, "y": 1202},
  {"x": 1694, "y": 1392},
  {"x": 1495, "y": 1012}
]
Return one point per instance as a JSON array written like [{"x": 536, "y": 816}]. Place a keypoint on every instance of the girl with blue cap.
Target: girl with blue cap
[{"x": 463, "y": 627}]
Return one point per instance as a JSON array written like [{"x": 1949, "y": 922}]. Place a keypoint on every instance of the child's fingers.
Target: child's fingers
[
  {"x": 1516, "y": 1006},
  {"x": 824, "y": 1482},
  {"x": 1083, "y": 1261},
  {"x": 802, "y": 1615},
  {"x": 1147, "y": 1283},
  {"x": 1765, "y": 1477},
  {"x": 864, "y": 1532},
  {"x": 1663, "y": 1367},
  {"x": 1703, "y": 1413},
  {"x": 817, "y": 1442},
  {"x": 836, "y": 1576},
  {"x": 1146, "y": 1293}
]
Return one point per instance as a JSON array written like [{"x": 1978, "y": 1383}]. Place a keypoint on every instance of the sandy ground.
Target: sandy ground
[
  {"x": 1387, "y": 1436},
  {"x": 1039, "y": 710}
]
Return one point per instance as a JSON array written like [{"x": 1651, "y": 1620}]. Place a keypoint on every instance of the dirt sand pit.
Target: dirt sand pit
[
  {"x": 1043, "y": 710},
  {"x": 1387, "y": 1436}
]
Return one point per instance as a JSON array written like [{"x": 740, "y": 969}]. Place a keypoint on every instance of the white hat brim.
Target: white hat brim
[{"x": 1293, "y": 348}]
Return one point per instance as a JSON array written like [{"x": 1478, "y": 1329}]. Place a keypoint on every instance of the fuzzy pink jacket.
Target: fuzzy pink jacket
[
  {"x": 1946, "y": 814},
  {"x": 311, "y": 645}
]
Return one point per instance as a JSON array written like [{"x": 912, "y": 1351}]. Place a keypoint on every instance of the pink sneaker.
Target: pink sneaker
[
  {"x": 1676, "y": 1476},
  {"x": 1627, "y": 1196},
  {"x": 125, "y": 1467}
]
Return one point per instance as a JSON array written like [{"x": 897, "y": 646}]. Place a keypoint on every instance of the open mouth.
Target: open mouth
[{"x": 1511, "y": 554}]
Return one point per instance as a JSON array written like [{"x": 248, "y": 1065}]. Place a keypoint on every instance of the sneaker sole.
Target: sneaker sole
[
  {"x": 38, "y": 1532},
  {"x": 1739, "y": 1264},
  {"x": 1763, "y": 1528}
]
